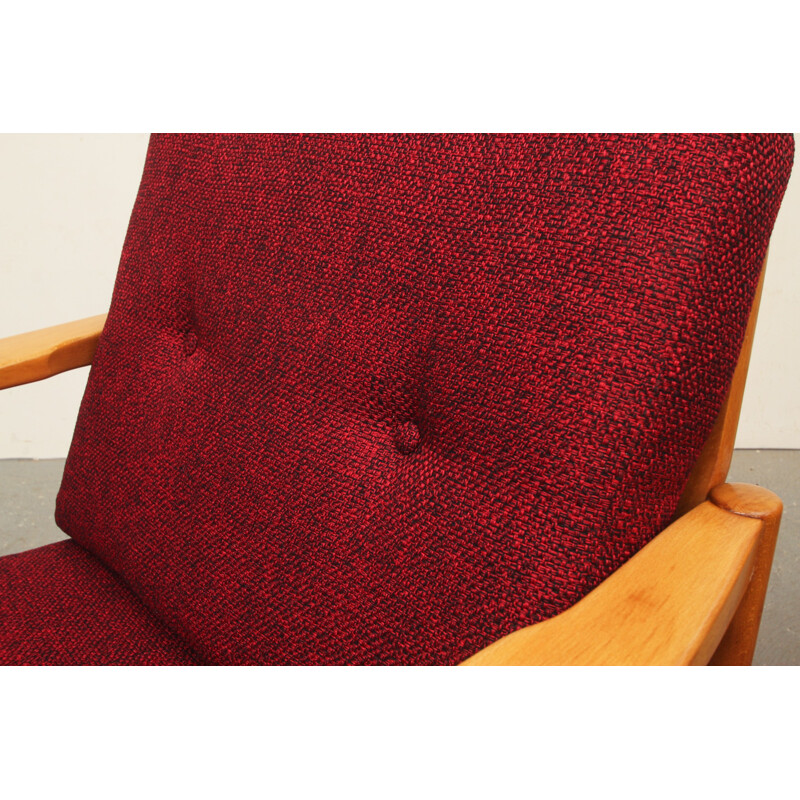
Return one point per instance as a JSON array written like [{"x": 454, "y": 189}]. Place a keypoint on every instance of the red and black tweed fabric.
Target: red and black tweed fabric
[
  {"x": 386, "y": 398},
  {"x": 60, "y": 605}
]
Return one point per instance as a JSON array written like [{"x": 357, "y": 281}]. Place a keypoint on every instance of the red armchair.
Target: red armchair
[{"x": 413, "y": 399}]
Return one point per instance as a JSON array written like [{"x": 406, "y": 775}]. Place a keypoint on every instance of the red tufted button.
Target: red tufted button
[
  {"x": 190, "y": 343},
  {"x": 407, "y": 438}
]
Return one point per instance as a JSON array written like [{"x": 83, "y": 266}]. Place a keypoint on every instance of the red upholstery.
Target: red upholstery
[
  {"x": 60, "y": 605},
  {"x": 386, "y": 398}
]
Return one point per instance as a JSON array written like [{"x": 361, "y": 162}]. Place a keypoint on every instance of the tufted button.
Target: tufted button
[
  {"x": 407, "y": 437},
  {"x": 190, "y": 343}
]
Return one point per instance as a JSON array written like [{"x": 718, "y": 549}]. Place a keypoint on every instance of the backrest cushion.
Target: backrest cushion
[{"x": 386, "y": 398}]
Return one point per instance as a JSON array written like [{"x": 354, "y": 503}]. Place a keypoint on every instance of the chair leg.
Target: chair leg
[{"x": 739, "y": 642}]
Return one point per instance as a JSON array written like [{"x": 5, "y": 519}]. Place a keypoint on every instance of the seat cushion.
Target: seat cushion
[
  {"x": 386, "y": 398},
  {"x": 60, "y": 605}
]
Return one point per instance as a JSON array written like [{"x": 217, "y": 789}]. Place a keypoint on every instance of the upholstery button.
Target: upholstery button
[
  {"x": 190, "y": 343},
  {"x": 407, "y": 438}
]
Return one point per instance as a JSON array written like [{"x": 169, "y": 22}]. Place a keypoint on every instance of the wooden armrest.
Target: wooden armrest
[
  {"x": 39, "y": 354},
  {"x": 670, "y": 604}
]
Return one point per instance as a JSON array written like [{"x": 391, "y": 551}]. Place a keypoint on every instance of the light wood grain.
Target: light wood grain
[
  {"x": 39, "y": 354},
  {"x": 670, "y": 604},
  {"x": 711, "y": 468}
]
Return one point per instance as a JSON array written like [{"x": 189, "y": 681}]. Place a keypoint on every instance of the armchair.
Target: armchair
[{"x": 414, "y": 399}]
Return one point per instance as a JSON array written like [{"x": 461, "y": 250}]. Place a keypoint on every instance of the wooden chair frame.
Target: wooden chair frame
[{"x": 693, "y": 595}]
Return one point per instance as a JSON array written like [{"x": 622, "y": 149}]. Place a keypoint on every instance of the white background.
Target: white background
[{"x": 65, "y": 200}]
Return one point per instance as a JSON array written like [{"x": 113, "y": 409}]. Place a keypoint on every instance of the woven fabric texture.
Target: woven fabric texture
[
  {"x": 60, "y": 605},
  {"x": 382, "y": 399}
]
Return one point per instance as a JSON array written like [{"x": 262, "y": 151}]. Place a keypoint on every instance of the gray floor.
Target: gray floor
[{"x": 28, "y": 490}]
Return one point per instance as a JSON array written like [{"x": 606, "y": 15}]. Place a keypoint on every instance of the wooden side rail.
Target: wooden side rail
[
  {"x": 739, "y": 642},
  {"x": 673, "y": 602},
  {"x": 39, "y": 354},
  {"x": 711, "y": 468}
]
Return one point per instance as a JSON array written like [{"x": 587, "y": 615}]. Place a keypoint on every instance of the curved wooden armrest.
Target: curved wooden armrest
[
  {"x": 671, "y": 603},
  {"x": 39, "y": 354}
]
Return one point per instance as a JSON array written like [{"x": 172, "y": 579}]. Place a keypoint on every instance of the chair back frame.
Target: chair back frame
[{"x": 711, "y": 468}]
